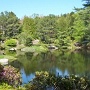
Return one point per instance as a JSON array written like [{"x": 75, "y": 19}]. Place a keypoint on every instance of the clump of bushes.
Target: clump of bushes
[
  {"x": 28, "y": 41},
  {"x": 5, "y": 86},
  {"x": 10, "y": 75},
  {"x": 11, "y": 42},
  {"x": 47, "y": 81}
]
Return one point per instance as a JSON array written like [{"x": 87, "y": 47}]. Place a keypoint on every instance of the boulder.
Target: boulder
[
  {"x": 35, "y": 42},
  {"x": 52, "y": 47},
  {"x": 12, "y": 49},
  {"x": 4, "y": 61}
]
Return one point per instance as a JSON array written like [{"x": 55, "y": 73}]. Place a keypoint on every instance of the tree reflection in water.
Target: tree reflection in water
[{"x": 56, "y": 62}]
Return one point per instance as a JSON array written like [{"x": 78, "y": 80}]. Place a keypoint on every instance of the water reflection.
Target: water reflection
[
  {"x": 60, "y": 73},
  {"x": 26, "y": 78},
  {"x": 56, "y": 62}
]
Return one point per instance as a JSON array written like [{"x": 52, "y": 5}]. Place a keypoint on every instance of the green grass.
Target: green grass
[
  {"x": 1, "y": 56},
  {"x": 35, "y": 49},
  {"x": 10, "y": 58}
]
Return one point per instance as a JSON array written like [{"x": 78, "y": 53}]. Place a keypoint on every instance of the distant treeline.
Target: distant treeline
[{"x": 61, "y": 30}]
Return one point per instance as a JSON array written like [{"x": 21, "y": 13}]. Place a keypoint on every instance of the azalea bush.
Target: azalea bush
[{"x": 11, "y": 76}]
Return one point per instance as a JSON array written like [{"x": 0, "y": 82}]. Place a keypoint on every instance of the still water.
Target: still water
[{"x": 56, "y": 62}]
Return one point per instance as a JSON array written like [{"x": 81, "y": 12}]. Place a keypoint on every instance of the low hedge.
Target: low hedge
[{"x": 11, "y": 42}]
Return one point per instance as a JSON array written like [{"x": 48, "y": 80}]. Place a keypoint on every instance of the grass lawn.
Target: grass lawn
[{"x": 35, "y": 49}]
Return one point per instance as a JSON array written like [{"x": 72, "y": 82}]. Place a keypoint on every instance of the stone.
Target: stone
[
  {"x": 35, "y": 42},
  {"x": 4, "y": 61}
]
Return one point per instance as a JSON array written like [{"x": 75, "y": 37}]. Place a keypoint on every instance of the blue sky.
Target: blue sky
[{"x": 41, "y": 7}]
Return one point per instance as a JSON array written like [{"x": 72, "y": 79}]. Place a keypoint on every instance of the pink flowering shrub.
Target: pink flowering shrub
[{"x": 11, "y": 76}]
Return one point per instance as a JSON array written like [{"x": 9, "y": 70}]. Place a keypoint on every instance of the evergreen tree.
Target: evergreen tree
[
  {"x": 87, "y": 3},
  {"x": 9, "y": 24},
  {"x": 28, "y": 31},
  {"x": 46, "y": 28}
]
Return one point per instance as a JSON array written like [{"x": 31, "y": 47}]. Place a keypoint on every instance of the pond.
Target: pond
[{"x": 56, "y": 62}]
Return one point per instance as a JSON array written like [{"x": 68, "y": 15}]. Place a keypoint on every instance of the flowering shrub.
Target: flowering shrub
[
  {"x": 47, "y": 81},
  {"x": 11, "y": 76}
]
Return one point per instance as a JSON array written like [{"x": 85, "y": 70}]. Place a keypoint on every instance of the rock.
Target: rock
[
  {"x": 35, "y": 42},
  {"x": 4, "y": 61},
  {"x": 12, "y": 49},
  {"x": 52, "y": 47}
]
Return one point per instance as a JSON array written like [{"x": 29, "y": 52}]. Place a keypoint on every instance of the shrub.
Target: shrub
[
  {"x": 47, "y": 81},
  {"x": 11, "y": 76},
  {"x": 11, "y": 42},
  {"x": 28, "y": 41},
  {"x": 5, "y": 86}
]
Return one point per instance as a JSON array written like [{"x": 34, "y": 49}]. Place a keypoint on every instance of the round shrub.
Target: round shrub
[
  {"x": 11, "y": 76},
  {"x": 11, "y": 42}
]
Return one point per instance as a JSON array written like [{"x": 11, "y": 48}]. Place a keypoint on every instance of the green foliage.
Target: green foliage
[
  {"x": 79, "y": 28},
  {"x": 28, "y": 31},
  {"x": 11, "y": 42},
  {"x": 28, "y": 41},
  {"x": 35, "y": 49},
  {"x": 1, "y": 56},
  {"x": 81, "y": 25},
  {"x": 87, "y": 3},
  {"x": 9, "y": 25},
  {"x": 45, "y": 80},
  {"x": 46, "y": 28},
  {"x": 5, "y": 86},
  {"x": 63, "y": 30},
  {"x": 29, "y": 27}
]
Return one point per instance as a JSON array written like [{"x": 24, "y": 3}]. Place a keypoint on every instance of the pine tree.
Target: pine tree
[{"x": 87, "y": 3}]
